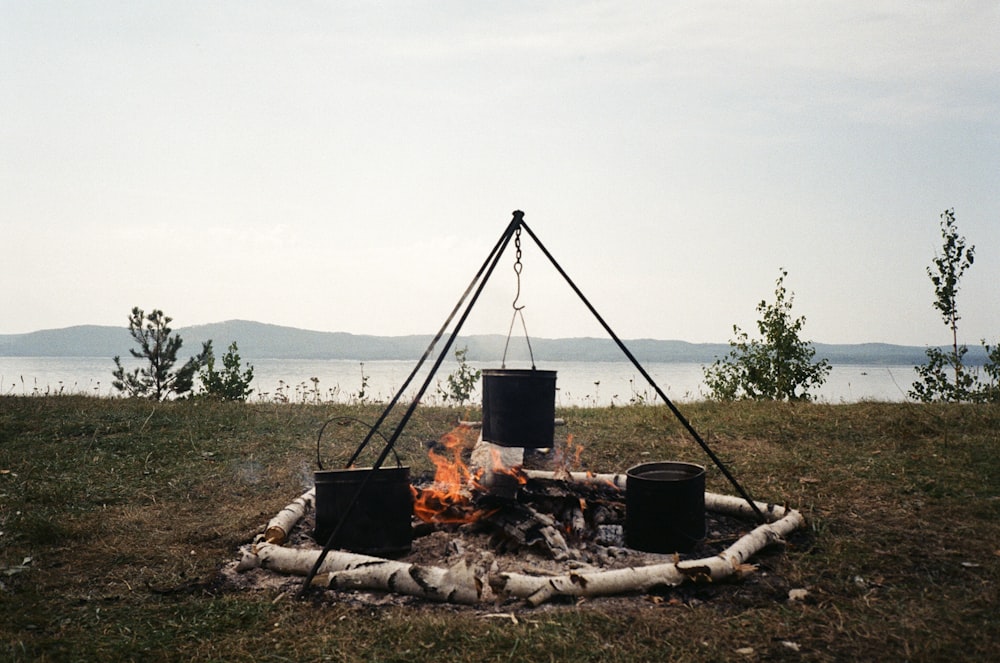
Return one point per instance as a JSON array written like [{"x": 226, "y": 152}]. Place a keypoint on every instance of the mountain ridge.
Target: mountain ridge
[{"x": 259, "y": 340}]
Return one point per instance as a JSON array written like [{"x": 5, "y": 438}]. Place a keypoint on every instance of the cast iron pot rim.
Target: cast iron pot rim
[
  {"x": 651, "y": 466},
  {"x": 519, "y": 372},
  {"x": 348, "y": 470}
]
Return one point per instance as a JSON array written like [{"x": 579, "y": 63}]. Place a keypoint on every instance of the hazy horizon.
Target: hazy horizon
[{"x": 599, "y": 334}]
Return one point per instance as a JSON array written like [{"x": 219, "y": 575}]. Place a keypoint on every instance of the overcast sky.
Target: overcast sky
[{"x": 347, "y": 166}]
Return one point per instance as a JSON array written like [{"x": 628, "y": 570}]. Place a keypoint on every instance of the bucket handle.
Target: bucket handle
[
  {"x": 348, "y": 420},
  {"x": 518, "y": 310}
]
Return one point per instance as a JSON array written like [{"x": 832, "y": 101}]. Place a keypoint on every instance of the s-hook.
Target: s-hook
[{"x": 518, "y": 310}]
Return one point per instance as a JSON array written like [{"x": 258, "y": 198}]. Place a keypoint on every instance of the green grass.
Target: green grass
[{"x": 127, "y": 509}]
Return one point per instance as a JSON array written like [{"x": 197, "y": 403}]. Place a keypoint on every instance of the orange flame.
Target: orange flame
[
  {"x": 448, "y": 499},
  {"x": 500, "y": 468},
  {"x": 567, "y": 456},
  {"x": 577, "y": 450}
]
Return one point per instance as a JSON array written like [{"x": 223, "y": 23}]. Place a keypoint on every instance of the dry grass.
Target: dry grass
[{"x": 127, "y": 510}]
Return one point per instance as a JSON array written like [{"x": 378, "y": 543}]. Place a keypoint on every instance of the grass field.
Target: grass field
[{"x": 116, "y": 515}]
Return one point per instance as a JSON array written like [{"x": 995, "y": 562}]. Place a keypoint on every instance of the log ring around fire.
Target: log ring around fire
[{"x": 465, "y": 583}]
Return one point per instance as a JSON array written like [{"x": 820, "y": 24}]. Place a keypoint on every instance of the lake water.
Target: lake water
[{"x": 578, "y": 383}]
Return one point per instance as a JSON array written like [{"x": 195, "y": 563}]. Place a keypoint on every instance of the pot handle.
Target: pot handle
[{"x": 343, "y": 421}]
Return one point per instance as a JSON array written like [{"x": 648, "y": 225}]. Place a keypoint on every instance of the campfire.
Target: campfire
[
  {"x": 497, "y": 532},
  {"x": 516, "y": 510}
]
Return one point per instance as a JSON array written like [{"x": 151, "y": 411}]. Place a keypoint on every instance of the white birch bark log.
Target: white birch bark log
[
  {"x": 343, "y": 570},
  {"x": 538, "y": 589},
  {"x": 732, "y": 505},
  {"x": 488, "y": 456},
  {"x": 281, "y": 525},
  {"x": 616, "y": 480},
  {"x": 456, "y": 584}
]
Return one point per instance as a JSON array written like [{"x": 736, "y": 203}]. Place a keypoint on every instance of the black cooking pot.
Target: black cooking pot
[
  {"x": 665, "y": 506},
  {"x": 519, "y": 407},
  {"x": 380, "y": 523}
]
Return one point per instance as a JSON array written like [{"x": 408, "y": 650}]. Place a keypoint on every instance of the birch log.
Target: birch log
[
  {"x": 343, "y": 570},
  {"x": 279, "y": 527},
  {"x": 456, "y": 584},
  {"x": 731, "y": 505},
  {"x": 538, "y": 589},
  {"x": 615, "y": 480}
]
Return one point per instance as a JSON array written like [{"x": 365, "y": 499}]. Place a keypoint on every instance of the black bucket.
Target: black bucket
[
  {"x": 380, "y": 523},
  {"x": 665, "y": 507},
  {"x": 519, "y": 407}
]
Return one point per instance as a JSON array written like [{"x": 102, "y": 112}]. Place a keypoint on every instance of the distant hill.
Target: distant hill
[
  {"x": 80, "y": 341},
  {"x": 258, "y": 340}
]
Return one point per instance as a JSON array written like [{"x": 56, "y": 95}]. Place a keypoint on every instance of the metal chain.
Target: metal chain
[
  {"x": 518, "y": 310},
  {"x": 517, "y": 268}
]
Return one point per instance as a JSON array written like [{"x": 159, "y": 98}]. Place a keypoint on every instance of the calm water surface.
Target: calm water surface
[{"x": 578, "y": 383}]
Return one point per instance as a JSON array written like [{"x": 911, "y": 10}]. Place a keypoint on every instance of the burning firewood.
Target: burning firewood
[
  {"x": 573, "y": 515},
  {"x": 525, "y": 526},
  {"x": 487, "y": 455}
]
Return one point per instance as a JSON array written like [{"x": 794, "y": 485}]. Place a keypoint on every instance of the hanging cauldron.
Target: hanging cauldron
[
  {"x": 380, "y": 523},
  {"x": 665, "y": 507},
  {"x": 519, "y": 407}
]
